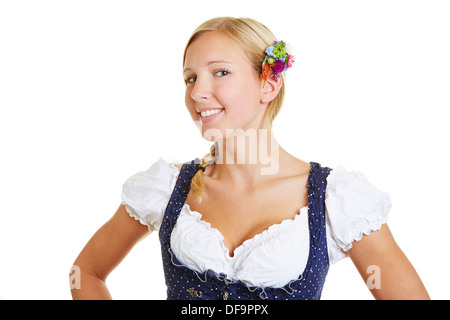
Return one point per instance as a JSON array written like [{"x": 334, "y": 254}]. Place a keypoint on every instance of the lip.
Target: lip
[{"x": 210, "y": 118}]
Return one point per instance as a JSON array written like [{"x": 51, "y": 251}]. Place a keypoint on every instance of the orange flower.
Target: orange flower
[{"x": 265, "y": 73}]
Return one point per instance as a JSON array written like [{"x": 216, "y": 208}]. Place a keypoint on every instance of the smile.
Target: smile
[{"x": 210, "y": 115}]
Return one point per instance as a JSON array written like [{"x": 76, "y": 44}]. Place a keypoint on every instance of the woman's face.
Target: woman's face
[{"x": 223, "y": 91}]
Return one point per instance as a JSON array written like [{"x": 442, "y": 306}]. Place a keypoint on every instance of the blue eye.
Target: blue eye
[
  {"x": 190, "y": 79},
  {"x": 222, "y": 73}
]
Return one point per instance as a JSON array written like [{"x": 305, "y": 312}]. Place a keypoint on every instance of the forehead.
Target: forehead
[{"x": 213, "y": 46}]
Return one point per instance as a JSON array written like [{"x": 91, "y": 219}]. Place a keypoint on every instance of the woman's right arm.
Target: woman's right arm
[{"x": 104, "y": 251}]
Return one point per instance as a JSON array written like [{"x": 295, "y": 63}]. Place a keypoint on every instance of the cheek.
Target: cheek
[
  {"x": 189, "y": 102},
  {"x": 241, "y": 99}
]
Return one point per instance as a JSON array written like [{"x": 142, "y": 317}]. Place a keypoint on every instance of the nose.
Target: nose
[{"x": 201, "y": 90}]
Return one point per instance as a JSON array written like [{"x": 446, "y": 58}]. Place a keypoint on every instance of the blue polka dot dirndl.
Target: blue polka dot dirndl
[{"x": 184, "y": 283}]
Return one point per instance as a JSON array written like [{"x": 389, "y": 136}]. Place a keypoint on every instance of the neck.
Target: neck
[{"x": 247, "y": 158}]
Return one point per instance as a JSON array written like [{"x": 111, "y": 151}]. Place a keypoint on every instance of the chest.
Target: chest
[{"x": 241, "y": 215}]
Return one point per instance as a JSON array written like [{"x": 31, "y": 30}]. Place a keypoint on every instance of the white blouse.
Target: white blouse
[{"x": 277, "y": 255}]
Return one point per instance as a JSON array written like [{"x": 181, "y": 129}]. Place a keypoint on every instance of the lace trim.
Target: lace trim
[
  {"x": 223, "y": 277},
  {"x": 362, "y": 227},
  {"x": 134, "y": 215}
]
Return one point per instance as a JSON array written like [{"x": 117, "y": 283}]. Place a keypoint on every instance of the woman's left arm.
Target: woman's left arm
[{"x": 385, "y": 268}]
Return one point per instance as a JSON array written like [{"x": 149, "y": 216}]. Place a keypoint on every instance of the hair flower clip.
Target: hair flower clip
[{"x": 278, "y": 59}]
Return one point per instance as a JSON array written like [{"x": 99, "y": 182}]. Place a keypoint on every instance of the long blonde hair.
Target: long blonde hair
[{"x": 252, "y": 37}]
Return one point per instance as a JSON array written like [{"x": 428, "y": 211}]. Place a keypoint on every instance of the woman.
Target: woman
[{"x": 246, "y": 223}]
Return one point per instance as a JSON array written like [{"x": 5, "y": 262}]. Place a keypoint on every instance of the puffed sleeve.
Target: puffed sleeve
[
  {"x": 146, "y": 194},
  {"x": 353, "y": 207}
]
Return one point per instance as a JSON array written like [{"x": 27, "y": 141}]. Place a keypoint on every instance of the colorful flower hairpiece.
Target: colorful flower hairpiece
[{"x": 278, "y": 59}]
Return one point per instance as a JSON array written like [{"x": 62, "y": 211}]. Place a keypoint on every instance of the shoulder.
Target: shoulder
[
  {"x": 354, "y": 207},
  {"x": 290, "y": 166},
  {"x": 145, "y": 194},
  {"x": 158, "y": 169},
  {"x": 354, "y": 186}
]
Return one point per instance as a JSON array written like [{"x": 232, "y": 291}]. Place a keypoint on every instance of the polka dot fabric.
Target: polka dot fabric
[{"x": 184, "y": 283}]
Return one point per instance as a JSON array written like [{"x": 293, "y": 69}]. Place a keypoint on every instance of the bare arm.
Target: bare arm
[
  {"x": 104, "y": 251},
  {"x": 379, "y": 253}
]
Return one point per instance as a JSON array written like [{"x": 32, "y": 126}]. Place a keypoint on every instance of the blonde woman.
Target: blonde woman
[{"x": 249, "y": 220}]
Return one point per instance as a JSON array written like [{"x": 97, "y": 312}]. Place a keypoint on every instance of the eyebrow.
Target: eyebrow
[{"x": 210, "y": 63}]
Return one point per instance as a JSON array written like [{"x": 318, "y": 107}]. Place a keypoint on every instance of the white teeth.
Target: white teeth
[{"x": 207, "y": 113}]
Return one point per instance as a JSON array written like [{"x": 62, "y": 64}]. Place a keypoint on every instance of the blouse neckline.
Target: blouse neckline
[{"x": 261, "y": 236}]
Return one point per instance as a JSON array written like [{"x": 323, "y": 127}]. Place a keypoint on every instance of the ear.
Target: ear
[{"x": 270, "y": 90}]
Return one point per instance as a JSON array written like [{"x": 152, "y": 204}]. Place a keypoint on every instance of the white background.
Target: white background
[{"x": 92, "y": 92}]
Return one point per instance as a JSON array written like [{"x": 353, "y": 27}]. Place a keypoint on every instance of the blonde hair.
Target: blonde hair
[{"x": 252, "y": 37}]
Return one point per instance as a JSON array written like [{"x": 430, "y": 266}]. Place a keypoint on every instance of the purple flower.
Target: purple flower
[{"x": 278, "y": 66}]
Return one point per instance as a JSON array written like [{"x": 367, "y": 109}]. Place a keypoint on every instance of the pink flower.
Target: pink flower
[
  {"x": 278, "y": 66},
  {"x": 290, "y": 61},
  {"x": 274, "y": 76}
]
